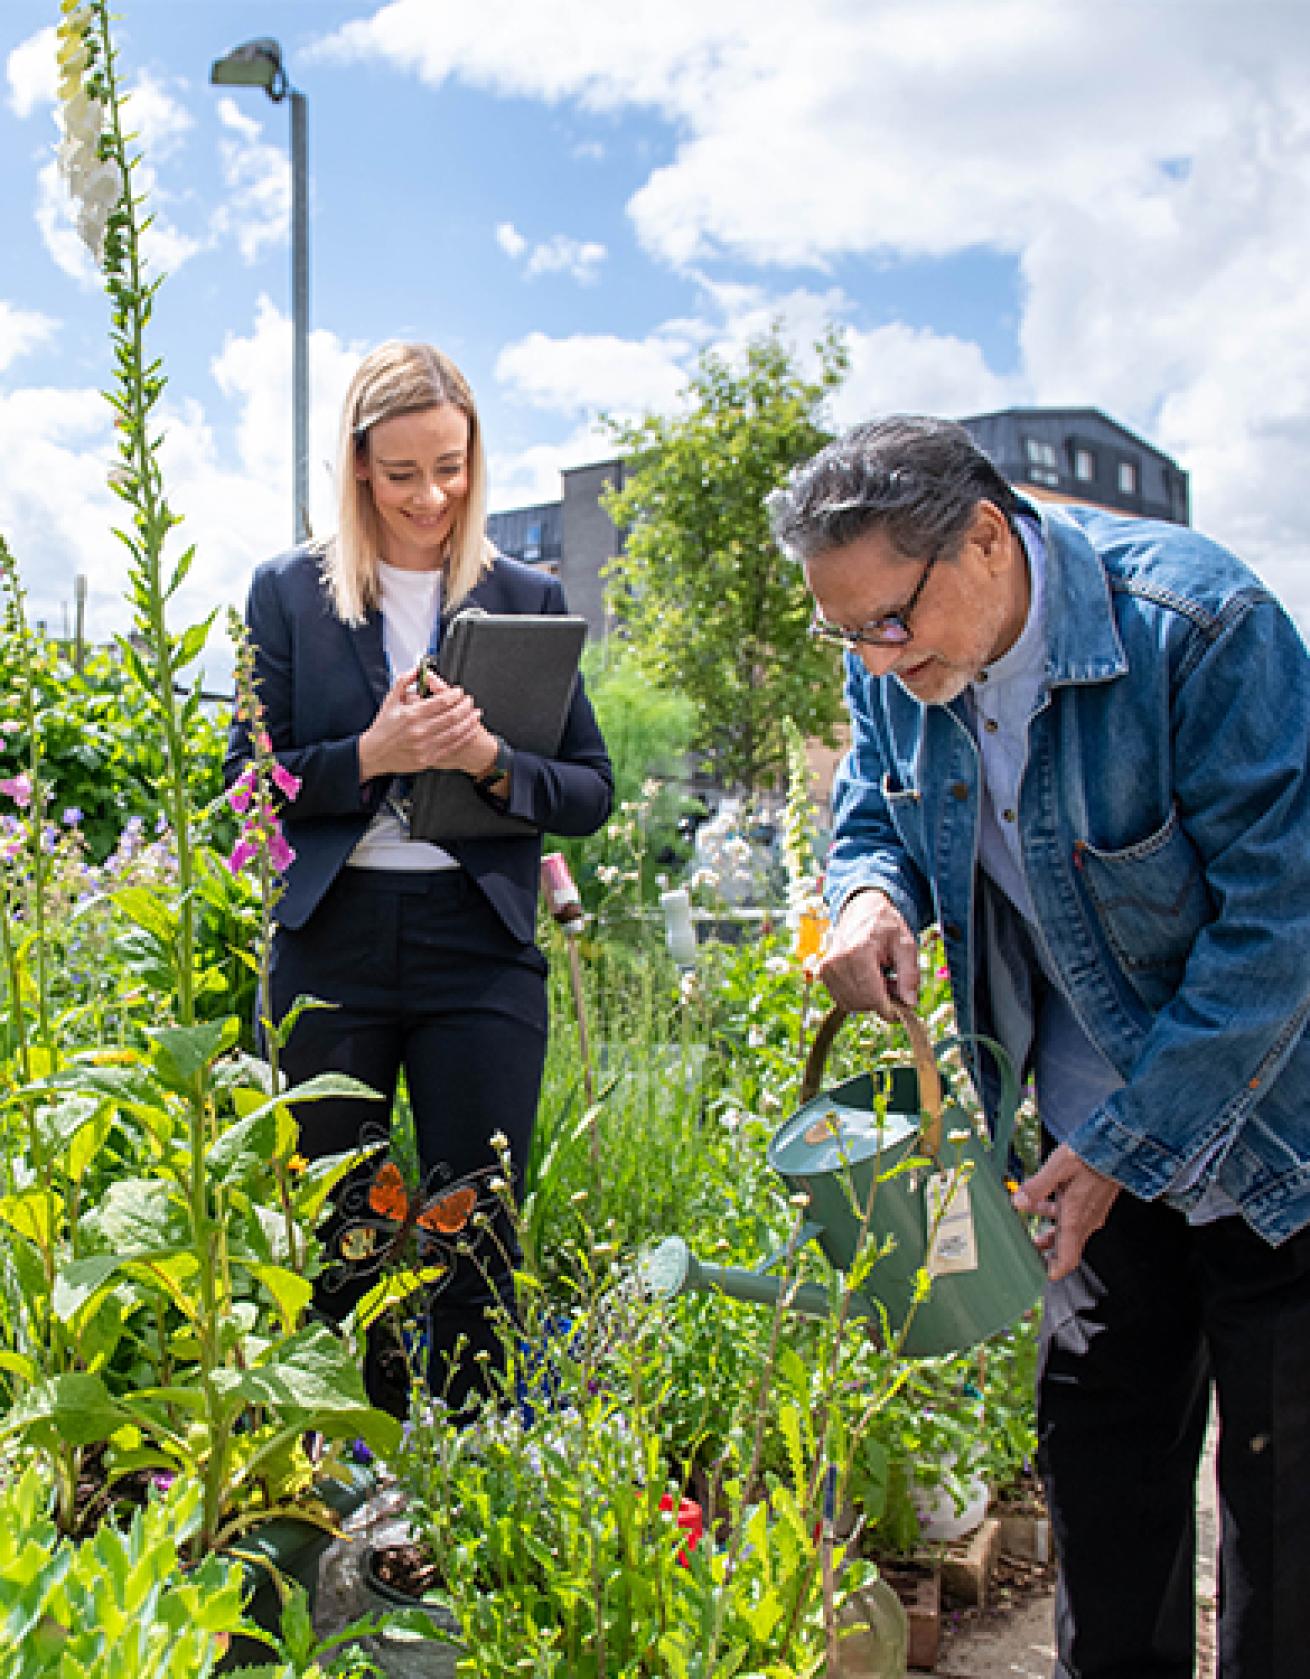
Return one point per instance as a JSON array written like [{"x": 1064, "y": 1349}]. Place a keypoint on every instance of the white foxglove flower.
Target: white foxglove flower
[{"x": 95, "y": 184}]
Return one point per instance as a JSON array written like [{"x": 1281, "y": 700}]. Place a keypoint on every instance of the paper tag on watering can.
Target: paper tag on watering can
[{"x": 952, "y": 1243}]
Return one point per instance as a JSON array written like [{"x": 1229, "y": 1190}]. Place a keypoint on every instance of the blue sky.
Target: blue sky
[{"x": 1101, "y": 202}]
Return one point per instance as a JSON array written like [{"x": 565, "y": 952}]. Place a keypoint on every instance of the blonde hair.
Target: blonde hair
[{"x": 396, "y": 379}]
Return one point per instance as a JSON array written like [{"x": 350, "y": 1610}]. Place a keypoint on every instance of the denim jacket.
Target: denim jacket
[{"x": 1165, "y": 816}]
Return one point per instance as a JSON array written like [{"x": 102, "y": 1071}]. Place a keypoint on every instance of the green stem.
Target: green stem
[{"x": 139, "y": 388}]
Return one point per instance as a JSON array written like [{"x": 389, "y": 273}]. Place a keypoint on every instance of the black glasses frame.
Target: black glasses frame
[{"x": 892, "y": 630}]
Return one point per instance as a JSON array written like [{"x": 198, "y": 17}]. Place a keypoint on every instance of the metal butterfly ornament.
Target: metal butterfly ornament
[{"x": 381, "y": 1214}]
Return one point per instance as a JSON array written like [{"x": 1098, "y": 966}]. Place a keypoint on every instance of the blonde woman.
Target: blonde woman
[{"x": 427, "y": 952}]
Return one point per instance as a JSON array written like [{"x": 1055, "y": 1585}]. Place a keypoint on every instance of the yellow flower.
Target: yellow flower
[{"x": 297, "y": 1163}]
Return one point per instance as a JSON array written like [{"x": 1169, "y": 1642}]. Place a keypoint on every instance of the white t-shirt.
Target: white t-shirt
[{"x": 411, "y": 601}]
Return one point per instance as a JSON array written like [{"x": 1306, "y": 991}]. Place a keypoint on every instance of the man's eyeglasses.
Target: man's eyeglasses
[{"x": 892, "y": 631}]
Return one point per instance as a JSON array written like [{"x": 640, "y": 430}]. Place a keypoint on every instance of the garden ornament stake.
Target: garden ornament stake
[
  {"x": 565, "y": 906},
  {"x": 884, "y": 1167}
]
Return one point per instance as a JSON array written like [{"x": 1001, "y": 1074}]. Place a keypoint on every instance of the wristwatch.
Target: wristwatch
[{"x": 500, "y": 765}]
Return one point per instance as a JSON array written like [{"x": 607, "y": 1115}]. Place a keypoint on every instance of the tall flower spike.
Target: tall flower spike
[{"x": 93, "y": 178}]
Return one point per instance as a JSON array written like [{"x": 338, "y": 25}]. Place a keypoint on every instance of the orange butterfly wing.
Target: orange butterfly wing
[
  {"x": 449, "y": 1213},
  {"x": 387, "y": 1194}
]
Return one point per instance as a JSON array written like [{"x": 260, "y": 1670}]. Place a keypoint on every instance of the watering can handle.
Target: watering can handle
[
  {"x": 1008, "y": 1102},
  {"x": 930, "y": 1083}
]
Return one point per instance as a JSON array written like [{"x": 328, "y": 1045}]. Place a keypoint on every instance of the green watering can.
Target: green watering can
[{"x": 878, "y": 1157}]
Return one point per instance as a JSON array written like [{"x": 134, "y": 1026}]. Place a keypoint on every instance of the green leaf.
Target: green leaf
[
  {"x": 148, "y": 910},
  {"x": 140, "y": 1216},
  {"x": 249, "y": 1142},
  {"x": 317, "y": 1089},
  {"x": 34, "y": 1213},
  {"x": 77, "y": 1408},
  {"x": 180, "y": 1053},
  {"x": 291, "y": 1292},
  {"x": 79, "y": 1282}
]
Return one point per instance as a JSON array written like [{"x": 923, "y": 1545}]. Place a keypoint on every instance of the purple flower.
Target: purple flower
[
  {"x": 243, "y": 852},
  {"x": 280, "y": 854},
  {"x": 240, "y": 793},
  {"x": 286, "y": 783},
  {"x": 72, "y": 817},
  {"x": 19, "y": 789}
]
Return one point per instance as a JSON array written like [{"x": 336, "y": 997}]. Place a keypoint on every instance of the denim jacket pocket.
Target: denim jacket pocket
[{"x": 1152, "y": 901}]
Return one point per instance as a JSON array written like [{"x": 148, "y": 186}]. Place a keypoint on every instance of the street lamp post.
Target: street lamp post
[{"x": 259, "y": 64}]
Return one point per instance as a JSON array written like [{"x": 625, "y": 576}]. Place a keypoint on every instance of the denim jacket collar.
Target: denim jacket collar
[{"x": 1083, "y": 644}]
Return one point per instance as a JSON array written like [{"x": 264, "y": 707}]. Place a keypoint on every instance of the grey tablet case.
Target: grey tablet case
[{"x": 520, "y": 669}]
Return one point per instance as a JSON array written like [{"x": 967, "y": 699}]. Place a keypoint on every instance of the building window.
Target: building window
[
  {"x": 532, "y": 544},
  {"x": 1043, "y": 467},
  {"x": 1128, "y": 485},
  {"x": 1084, "y": 465}
]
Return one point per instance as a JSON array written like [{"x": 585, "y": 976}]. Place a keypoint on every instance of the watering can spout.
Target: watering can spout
[{"x": 672, "y": 1269}]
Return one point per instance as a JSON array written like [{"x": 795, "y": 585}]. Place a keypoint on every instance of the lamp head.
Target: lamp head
[{"x": 253, "y": 64}]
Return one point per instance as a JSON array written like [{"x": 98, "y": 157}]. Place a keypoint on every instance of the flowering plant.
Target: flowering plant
[{"x": 160, "y": 1325}]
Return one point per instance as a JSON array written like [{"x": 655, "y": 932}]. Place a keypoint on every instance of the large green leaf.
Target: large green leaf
[
  {"x": 251, "y": 1141},
  {"x": 140, "y": 1216},
  {"x": 76, "y": 1407},
  {"x": 315, "y": 1374},
  {"x": 152, "y": 913},
  {"x": 180, "y": 1053}
]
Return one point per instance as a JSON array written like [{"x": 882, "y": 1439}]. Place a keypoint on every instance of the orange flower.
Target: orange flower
[{"x": 810, "y": 932}]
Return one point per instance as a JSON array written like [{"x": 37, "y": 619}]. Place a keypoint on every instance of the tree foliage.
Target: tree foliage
[{"x": 710, "y": 607}]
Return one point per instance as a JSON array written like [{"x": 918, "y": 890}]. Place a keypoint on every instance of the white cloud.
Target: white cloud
[
  {"x": 902, "y": 369},
  {"x": 510, "y": 240},
  {"x": 227, "y": 472},
  {"x": 63, "y": 438},
  {"x": 1145, "y": 166},
  {"x": 33, "y": 73},
  {"x": 158, "y": 120},
  {"x": 533, "y": 475},
  {"x": 254, "y": 372},
  {"x": 22, "y": 330},
  {"x": 560, "y": 254},
  {"x": 257, "y": 213},
  {"x": 578, "y": 258},
  {"x": 591, "y": 371}
]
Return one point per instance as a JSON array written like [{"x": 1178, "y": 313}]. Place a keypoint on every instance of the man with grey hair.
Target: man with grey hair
[{"x": 1079, "y": 746}]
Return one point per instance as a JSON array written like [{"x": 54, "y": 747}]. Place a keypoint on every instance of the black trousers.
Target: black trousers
[
  {"x": 1159, "y": 1315},
  {"x": 424, "y": 976}
]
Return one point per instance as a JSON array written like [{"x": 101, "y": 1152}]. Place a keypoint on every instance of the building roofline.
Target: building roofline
[{"x": 1053, "y": 411}]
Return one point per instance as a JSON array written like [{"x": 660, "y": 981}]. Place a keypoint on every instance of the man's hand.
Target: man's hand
[
  {"x": 1076, "y": 1198},
  {"x": 872, "y": 959}
]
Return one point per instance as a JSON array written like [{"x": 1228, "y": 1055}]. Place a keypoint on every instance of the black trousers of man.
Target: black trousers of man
[
  {"x": 424, "y": 976},
  {"x": 1160, "y": 1314}
]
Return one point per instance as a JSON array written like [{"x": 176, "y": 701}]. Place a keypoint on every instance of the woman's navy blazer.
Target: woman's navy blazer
[{"x": 321, "y": 684}]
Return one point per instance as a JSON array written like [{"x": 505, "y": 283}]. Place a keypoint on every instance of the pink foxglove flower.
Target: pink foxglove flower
[
  {"x": 242, "y": 790},
  {"x": 286, "y": 783},
  {"x": 19, "y": 789},
  {"x": 280, "y": 853},
  {"x": 243, "y": 852}
]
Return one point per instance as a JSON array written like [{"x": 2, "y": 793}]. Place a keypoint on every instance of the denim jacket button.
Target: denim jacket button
[
  {"x": 960, "y": 790},
  {"x": 951, "y": 930}
]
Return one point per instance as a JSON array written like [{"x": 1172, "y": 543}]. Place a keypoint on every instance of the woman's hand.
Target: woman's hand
[{"x": 441, "y": 730}]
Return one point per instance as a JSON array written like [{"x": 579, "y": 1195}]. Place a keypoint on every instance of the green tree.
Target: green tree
[{"x": 711, "y": 608}]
